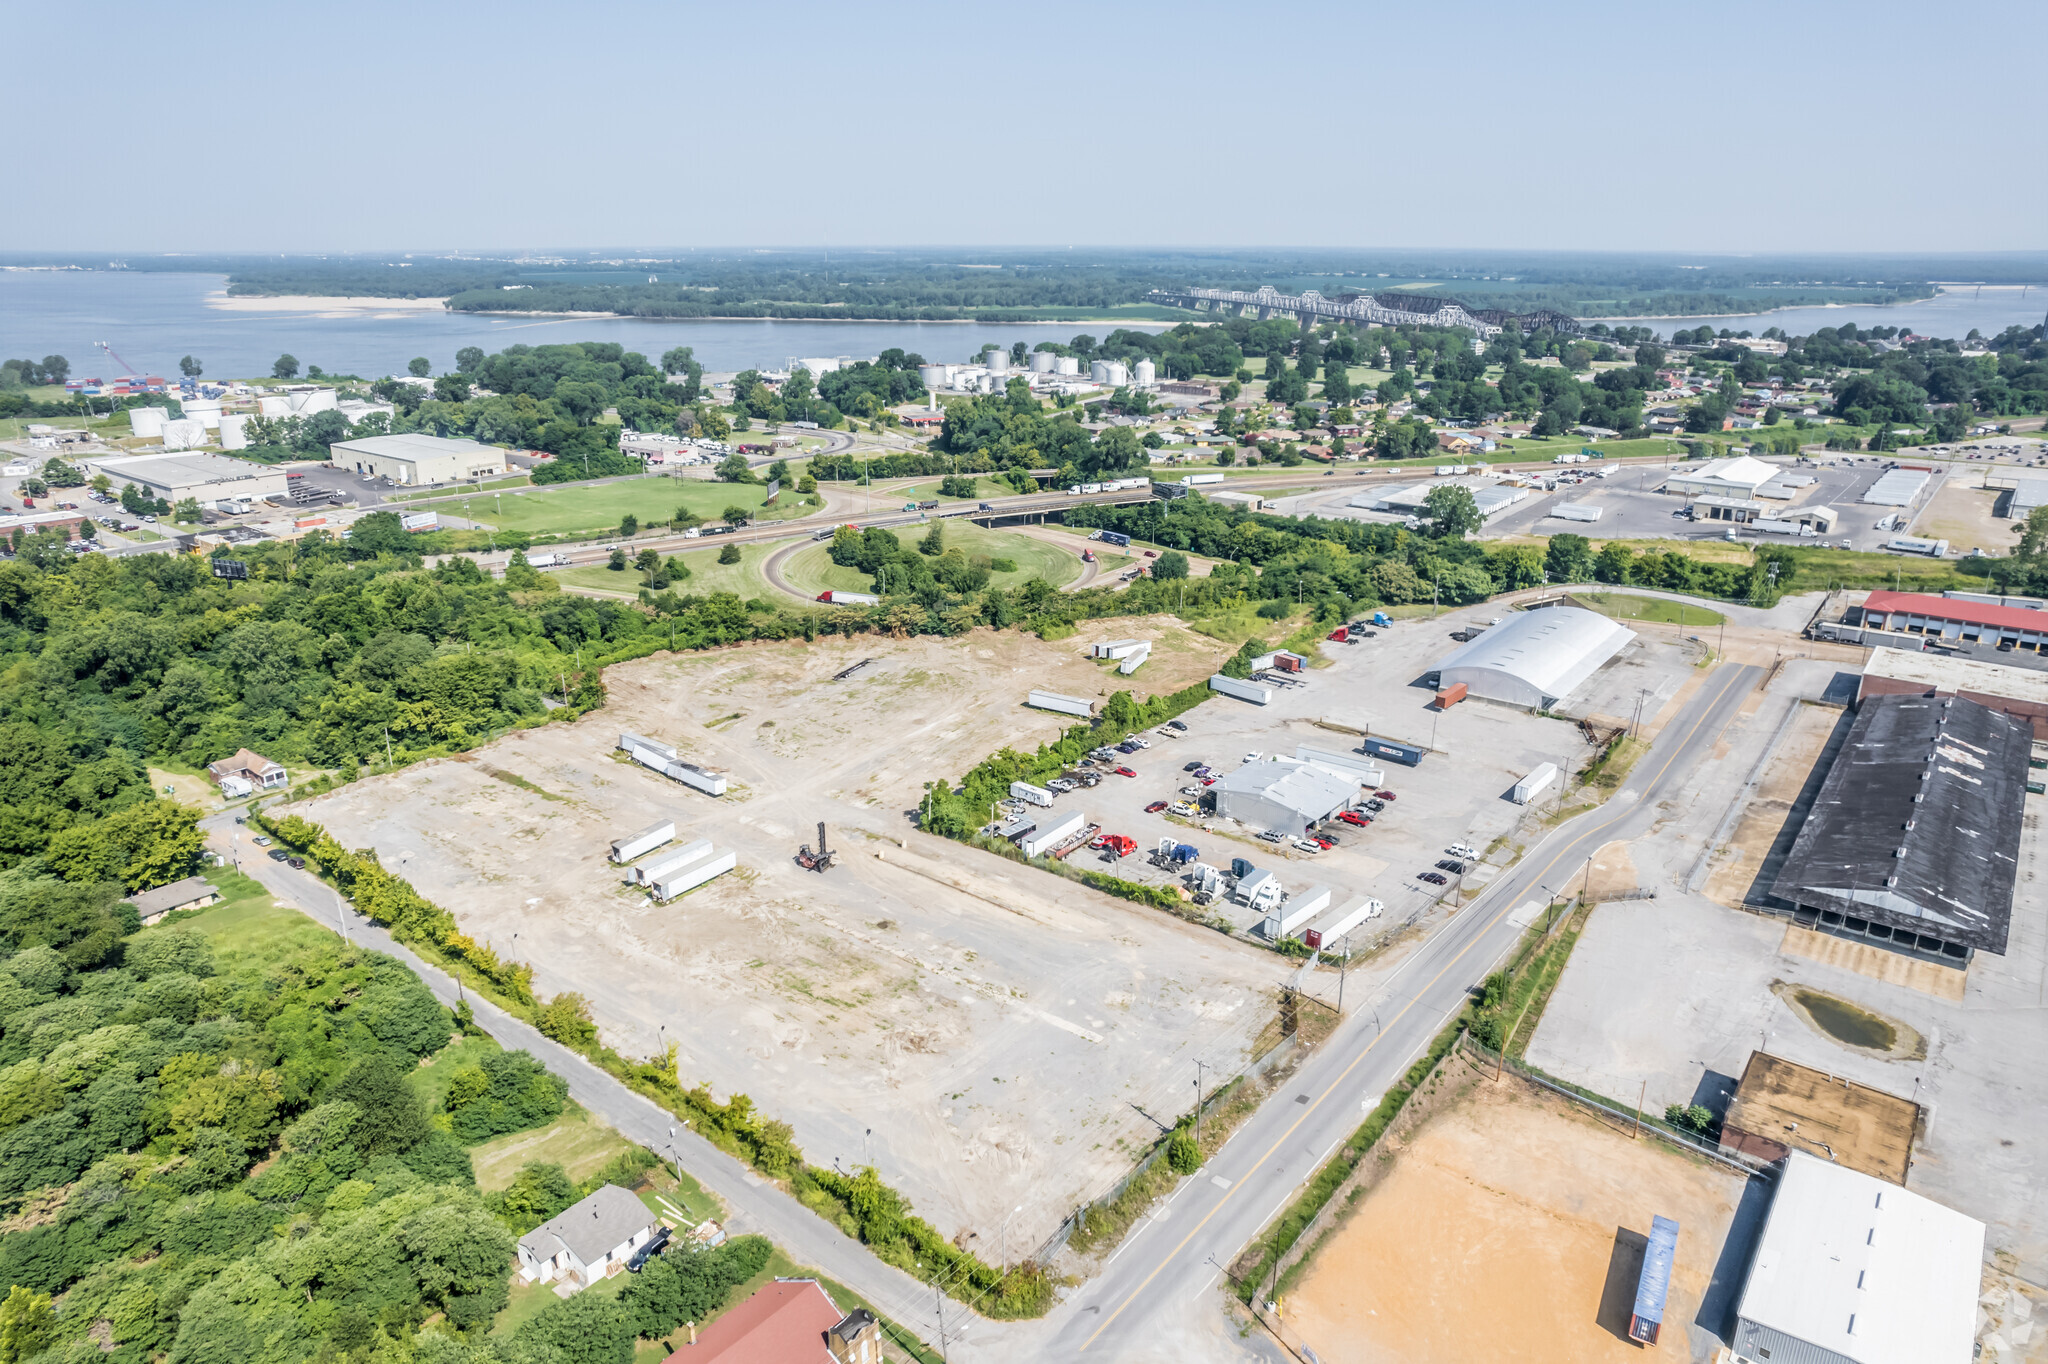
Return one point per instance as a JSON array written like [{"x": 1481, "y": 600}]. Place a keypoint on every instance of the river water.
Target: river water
[{"x": 152, "y": 319}]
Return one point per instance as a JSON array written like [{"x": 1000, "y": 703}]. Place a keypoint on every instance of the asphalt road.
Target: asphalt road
[{"x": 1169, "y": 1264}]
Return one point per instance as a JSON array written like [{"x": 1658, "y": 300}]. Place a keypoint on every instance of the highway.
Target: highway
[{"x": 1163, "y": 1273}]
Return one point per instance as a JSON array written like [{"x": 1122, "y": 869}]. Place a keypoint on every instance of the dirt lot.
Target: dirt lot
[
  {"x": 1763, "y": 825},
  {"x": 1962, "y": 515},
  {"x": 1510, "y": 1229},
  {"x": 989, "y": 1034}
]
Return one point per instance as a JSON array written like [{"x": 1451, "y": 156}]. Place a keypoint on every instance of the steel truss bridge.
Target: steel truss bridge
[{"x": 1378, "y": 310}]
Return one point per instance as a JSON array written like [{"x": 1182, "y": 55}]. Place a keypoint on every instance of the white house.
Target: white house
[{"x": 592, "y": 1240}]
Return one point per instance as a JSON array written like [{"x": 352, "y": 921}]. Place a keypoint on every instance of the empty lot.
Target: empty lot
[{"x": 994, "y": 1036}]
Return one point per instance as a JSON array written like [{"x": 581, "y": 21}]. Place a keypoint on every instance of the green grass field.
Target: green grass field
[
  {"x": 588, "y": 509},
  {"x": 575, "y": 1141},
  {"x": 812, "y": 571},
  {"x": 248, "y": 920},
  {"x": 1625, "y": 606},
  {"x": 707, "y": 575},
  {"x": 490, "y": 486}
]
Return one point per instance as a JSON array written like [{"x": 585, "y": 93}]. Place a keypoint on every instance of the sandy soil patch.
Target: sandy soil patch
[
  {"x": 1962, "y": 515},
  {"x": 1739, "y": 862},
  {"x": 347, "y": 306},
  {"x": 1510, "y": 1230},
  {"x": 1001, "y": 1032}
]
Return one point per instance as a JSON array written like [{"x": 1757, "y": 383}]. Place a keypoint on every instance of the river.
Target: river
[{"x": 153, "y": 318}]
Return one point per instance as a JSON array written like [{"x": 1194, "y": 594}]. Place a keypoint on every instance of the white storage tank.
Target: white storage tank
[
  {"x": 934, "y": 376},
  {"x": 206, "y": 410},
  {"x": 1146, "y": 374},
  {"x": 1067, "y": 364},
  {"x": 234, "y": 431},
  {"x": 182, "y": 433},
  {"x": 273, "y": 405},
  {"x": 319, "y": 400},
  {"x": 998, "y": 361},
  {"x": 148, "y": 421},
  {"x": 1098, "y": 370},
  {"x": 1042, "y": 361}
]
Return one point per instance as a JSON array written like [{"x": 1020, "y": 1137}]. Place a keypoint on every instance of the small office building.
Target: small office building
[
  {"x": 1283, "y": 795},
  {"x": 416, "y": 458}
]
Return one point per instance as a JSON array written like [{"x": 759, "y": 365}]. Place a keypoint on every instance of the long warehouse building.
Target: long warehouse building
[
  {"x": 204, "y": 477},
  {"x": 1283, "y": 795},
  {"x": 1913, "y": 840},
  {"x": 1956, "y": 619},
  {"x": 1535, "y": 658}
]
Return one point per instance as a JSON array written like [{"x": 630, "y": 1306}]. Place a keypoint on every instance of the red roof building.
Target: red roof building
[
  {"x": 790, "y": 1321},
  {"x": 1952, "y": 618}
]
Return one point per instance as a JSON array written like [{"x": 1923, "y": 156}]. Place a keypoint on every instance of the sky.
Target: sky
[{"x": 1737, "y": 127}]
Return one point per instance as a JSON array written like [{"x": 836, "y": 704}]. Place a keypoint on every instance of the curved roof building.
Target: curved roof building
[{"x": 1535, "y": 658}]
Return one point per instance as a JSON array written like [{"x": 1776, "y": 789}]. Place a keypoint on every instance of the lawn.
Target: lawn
[
  {"x": 812, "y": 571},
  {"x": 589, "y": 509},
  {"x": 247, "y": 920},
  {"x": 577, "y": 1142},
  {"x": 492, "y": 486},
  {"x": 707, "y": 575},
  {"x": 1625, "y": 606},
  {"x": 927, "y": 490}
]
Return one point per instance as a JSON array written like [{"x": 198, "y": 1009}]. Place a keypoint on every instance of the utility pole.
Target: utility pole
[
  {"x": 1198, "y": 1101},
  {"x": 389, "y": 761}
]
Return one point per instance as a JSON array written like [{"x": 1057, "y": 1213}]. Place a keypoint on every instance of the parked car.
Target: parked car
[
  {"x": 296, "y": 863},
  {"x": 1125, "y": 772},
  {"x": 1208, "y": 781},
  {"x": 1307, "y": 845},
  {"x": 1354, "y": 818},
  {"x": 278, "y": 854},
  {"x": 1464, "y": 850},
  {"x": 1375, "y": 805},
  {"x": 1435, "y": 878},
  {"x": 1155, "y": 807},
  {"x": 1270, "y": 836},
  {"x": 1323, "y": 841},
  {"x": 1176, "y": 724},
  {"x": 1183, "y": 809},
  {"x": 1151, "y": 553},
  {"x": 1383, "y": 795},
  {"x": 263, "y": 840},
  {"x": 655, "y": 1244},
  {"x": 1253, "y": 756},
  {"x": 1191, "y": 767},
  {"x": 1454, "y": 868}
]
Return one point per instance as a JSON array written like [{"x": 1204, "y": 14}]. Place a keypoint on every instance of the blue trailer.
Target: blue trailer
[
  {"x": 1393, "y": 751},
  {"x": 1655, "y": 1284},
  {"x": 1115, "y": 537}
]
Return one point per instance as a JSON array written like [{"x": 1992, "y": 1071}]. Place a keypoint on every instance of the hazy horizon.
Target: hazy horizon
[{"x": 1767, "y": 131}]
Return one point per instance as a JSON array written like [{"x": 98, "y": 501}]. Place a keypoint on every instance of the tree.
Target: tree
[
  {"x": 186, "y": 511},
  {"x": 56, "y": 369},
  {"x": 452, "y": 388},
  {"x": 285, "y": 367},
  {"x": 1569, "y": 558},
  {"x": 728, "y": 553},
  {"x": 617, "y": 562},
  {"x": 469, "y": 360},
  {"x": 629, "y": 526},
  {"x": 26, "y": 1325},
  {"x": 190, "y": 367},
  {"x": 392, "y": 1118},
  {"x": 735, "y": 516},
  {"x": 1183, "y": 1157},
  {"x": 934, "y": 542},
  {"x": 733, "y": 469},
  {"x": 1172, "y": 565},
  {"x": 685, "y": 518},
  {"x": 1452, "y": 511},
  {"x": 647, "y": 560},
  {"x": 566, "y": 1018},
  {"x": 419, "y": 367}
]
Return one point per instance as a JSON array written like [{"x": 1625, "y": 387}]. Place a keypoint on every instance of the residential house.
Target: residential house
[
  {"x": 790, "y": 1321},
  {"x": 244, "y": 772},
  {"x": 592, "y": 1240},
  {"x": 194, "y": 892}
]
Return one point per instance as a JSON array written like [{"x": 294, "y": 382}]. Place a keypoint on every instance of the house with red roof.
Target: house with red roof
[{"x": 790, "y": 1321}]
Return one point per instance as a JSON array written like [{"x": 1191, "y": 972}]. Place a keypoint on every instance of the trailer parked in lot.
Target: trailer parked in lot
[
  {"x": 1031, "y": 795},
  {"x": 1346, "y": 920},
  {"x": 1535, "y": 784},
  {"x": 630, "y": 741},
  {"x": 694, "y": 875},
  {"x": 1256, "y": 889},
  {"x": 1065, "y": 705},
  {"x": 662, "y": 758},
  {"x": 1283, "y": 919},
  {"x": 670, "y": 861},
  {"x": 1243, "y": 691},
  {"x": 1393, "y": 750},
  {"x": 1051, "y": 834},
  {"x": 849, "y": 598},
  {"x": 646, "y": 841}
]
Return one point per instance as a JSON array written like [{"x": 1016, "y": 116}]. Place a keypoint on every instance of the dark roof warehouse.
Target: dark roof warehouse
[{"x": 1914, "y": 837}]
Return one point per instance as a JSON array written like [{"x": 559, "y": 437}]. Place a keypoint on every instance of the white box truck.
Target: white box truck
[
  {"x": 1031, "y": 795},
  {"x": 644, "y": 842},
  {"x": 1535, "y": 784},
  {"x": 694, "y": 875},
  {"x": 666, "y": 864}
]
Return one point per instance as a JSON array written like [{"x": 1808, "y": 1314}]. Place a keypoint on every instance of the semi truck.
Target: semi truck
[
  {"x": 1196, "y": 480},
  {"x": 849, "y": 598},
  {"x": 1242, "y": 690}
]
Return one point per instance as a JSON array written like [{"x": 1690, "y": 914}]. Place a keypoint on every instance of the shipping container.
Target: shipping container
[
  {"x": 1242, "y": 690},
  {"x": 1031, "y": 795},
  {"x": 1288, "y": 663},
  {"x": 1115, "y": 648},
  {"x": 644, "y": 842},
  {"x": 1654, "y": 1286},
  {"x": 1393, "y": 751},
  {"x": 1065, "y": 705},
  {"x": 1535, "y": 784},
  {"x": 669, "y": 861},
  {"x": 694, "y": 875},
  {"x": 1116, "y": 537},
  {"x": 1450, "y": 696},
  {"x": 1051, "y": 833}
]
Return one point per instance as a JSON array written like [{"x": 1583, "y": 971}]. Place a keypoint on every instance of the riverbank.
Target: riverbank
[{"x": 323, "y": 305}]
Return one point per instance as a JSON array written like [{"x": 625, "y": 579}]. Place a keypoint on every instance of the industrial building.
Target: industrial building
[
  {"x": 415, "y": 458},
  {"x": 1283, "y": 795},
  {"x": 2019, "y": 692},
  {"x": 1739, "y": 477},
  {"x": 1852, "y": 1270},
  {"x": 1913, "y": 840},
  {"x": 1896, "y": 488},
  {"x": 204, "y": 477},
  {"x": 1536, "y": 658},
  {"x": 1954, "y": 619}
]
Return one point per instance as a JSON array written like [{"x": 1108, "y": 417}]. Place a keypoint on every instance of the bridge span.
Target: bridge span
[{"x": 1378, "y": 310}]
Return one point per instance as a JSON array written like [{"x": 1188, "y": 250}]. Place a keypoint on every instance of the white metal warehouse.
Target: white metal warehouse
[
  {"x": 1535, "y": 658},
  {"x": 1851, "y": 1269},
  {"x": 1283, "y": 795}
]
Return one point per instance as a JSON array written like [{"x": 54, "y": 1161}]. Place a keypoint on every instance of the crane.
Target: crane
[{"x": 116, "y": 356}]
